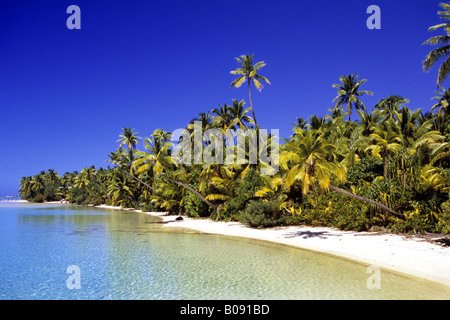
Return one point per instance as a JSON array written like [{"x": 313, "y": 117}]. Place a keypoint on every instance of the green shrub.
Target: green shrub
[
  {"x": 148, "y": 207},
  {"x": 245, "y": 191},
  {"x": 51, "y": 192},
  {"x": 443, "y": 225},
  {"x": 367, "y": 169},
  {"x": 233, "y": 208},
  {"x": 193, "y": 206},
  {"x": 78, "y": 196},
  {"x": 262, "y": 214},
  {"x": 339, "y": 211},
  {"x": 38, "y": 198}
]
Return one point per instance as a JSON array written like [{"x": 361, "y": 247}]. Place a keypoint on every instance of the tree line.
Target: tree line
[{"x": 388, "y": 169}]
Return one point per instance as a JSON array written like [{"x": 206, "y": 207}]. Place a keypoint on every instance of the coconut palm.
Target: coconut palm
[
  {"x": 315, "y": 122},
  {"x": 157, "y": 158},
  {"x": 52, "y": 176},
  {"x": 129, "y": 139},
  {"x": 25, "y": 190},
  {"x": 388, "y": 106},
  {"x": 222, "y": 117},
  {"x": 305, "y": 158},
  {"x": 443, "y": 102},
  {"x": 204, "y": 118},
  {"x": 348, "y": 93},
  {"x": 443, "y": 51},
  {"x": 238, "y": 114},
  {"x": 301, "y": 123},
  {"x": 384, "y": 143},
  {"x": 248, "y": 71},
  {"x": 119, "y": 190},
  {"x": 369, "y": 121}
]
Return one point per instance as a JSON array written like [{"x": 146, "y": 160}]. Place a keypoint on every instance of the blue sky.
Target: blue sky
[{"x": 65, "y": 95}]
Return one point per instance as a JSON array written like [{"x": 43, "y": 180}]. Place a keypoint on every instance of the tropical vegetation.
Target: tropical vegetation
[{"x": 387, "y": 170}]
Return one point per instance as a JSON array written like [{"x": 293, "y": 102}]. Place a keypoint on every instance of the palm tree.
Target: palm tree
[
  {"x": 443, "y": 102},
  {"x": 158, "y": 157},
  {"x": 119, "y": 190},
  {"x": 301, "y": 123},
  {"x": 204, "y": 118},
  {"x": 37, "y": 183},
  {"x": 348, "y": 93},
  {"x": 305, "y": 158},
  {"x": 248, "y": 72},
  {"x": 129, "y": 138},
  {"x": 222, "y": 117},
  {"x": 406, "y": 125},
  {"x": 388, "y": 106},
  {"x": 352, "y": 147},
  {"x": 315, "y": 122},
  {"x": 383, "y": 144},
  {"x": 438, "y": 53},
  {"x": 25, "y": 190},
  {"x": 85, "y": 179},
  {"x": 224, "y": 188},
  {"x": 238, "y": 114},
  {"x": 52, "y": 176},
  {"x": 369, "y": 121}
]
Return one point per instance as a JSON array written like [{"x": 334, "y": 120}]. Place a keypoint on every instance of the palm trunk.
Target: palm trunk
[
  {"x": 314, "y": 193},
  {"x": 251, "y": 103},
  {"x": 375, "y": 203},
  {"x": 385, "y": 168},
  {"x": 139, "y": 180},
  {"x": 405, "y": 177},
  {"x": 349, "y": 109},
  {"x": 193, "y": 191},
  {"x": 103, "y": 190}
]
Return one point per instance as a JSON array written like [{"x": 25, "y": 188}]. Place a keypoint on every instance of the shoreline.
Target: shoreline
[{"x": 411, "y": 255}]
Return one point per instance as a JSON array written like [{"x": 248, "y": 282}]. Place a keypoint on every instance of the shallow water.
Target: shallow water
[{"x": 127, "y": 255}]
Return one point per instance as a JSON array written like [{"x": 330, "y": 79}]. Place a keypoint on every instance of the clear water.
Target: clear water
[{"x": 127, "y": 255}]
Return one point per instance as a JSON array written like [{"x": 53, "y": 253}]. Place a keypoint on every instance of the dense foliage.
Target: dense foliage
[{"x": 389, "y": 169}]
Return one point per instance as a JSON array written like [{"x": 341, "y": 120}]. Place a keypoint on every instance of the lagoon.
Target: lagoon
[{"x": 128, "y": 255}]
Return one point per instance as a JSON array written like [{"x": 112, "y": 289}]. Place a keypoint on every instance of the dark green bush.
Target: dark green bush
[
  {"x": 367, "y": 169},
  {"x": 78, "y": 196},
  {"x": 337, "y": 210},
  {"x": 148, "y": 207},
  {"x": 38, "y": 198},
  {"x": 245, "y": 191},
  {"x": 443, "y": 225},
  {"x": 262, "y": 214},
  {"x": 193, "y": 206},
  {"x": 51, "y": 192}
]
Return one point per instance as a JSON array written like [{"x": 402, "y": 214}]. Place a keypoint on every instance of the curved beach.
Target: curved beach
[{"x": 410, "y": 255}]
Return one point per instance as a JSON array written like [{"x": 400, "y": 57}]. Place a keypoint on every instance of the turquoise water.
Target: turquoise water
[{"x": 127, "y": 255}]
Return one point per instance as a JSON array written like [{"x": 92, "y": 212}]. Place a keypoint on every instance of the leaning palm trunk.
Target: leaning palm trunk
[
  {"x": 192, "y": 190},
  {"x": 375, "y": 203},
  {"x": 139, "y": 180}
]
